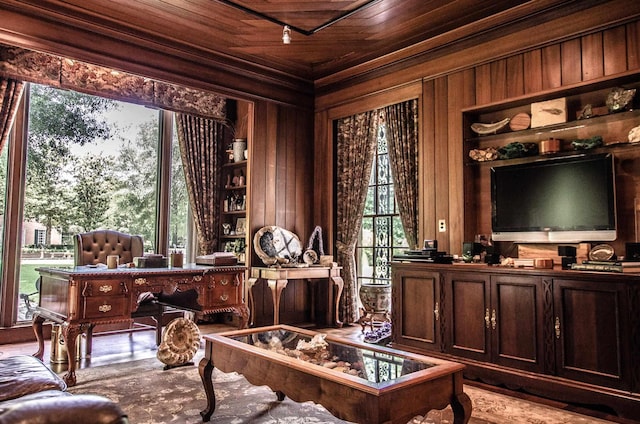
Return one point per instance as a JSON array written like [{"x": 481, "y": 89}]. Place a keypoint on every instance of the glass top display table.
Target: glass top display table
[{"x": 356, "y": 382}]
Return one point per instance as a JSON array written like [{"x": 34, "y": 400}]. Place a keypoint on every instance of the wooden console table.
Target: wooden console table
[
  {"x": 383, "y": 386},
  {"x": 81, "y": 297},
  {"x": 278, "y": 277}
]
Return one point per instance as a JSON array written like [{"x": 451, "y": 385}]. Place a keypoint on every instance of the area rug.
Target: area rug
[{"x": 151, "y": 395}]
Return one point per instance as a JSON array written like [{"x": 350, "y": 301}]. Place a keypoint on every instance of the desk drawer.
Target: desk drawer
[
  {"x": 99, "y": 288},
  {"x": 104, "y": 307},
  {"x": 224, "y": 295}
]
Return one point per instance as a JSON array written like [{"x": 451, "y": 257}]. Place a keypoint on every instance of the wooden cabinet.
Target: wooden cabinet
[
  {"x": 591, "y": 332},
  {"x": 496, "y": 319},
  {"x": 417, "y": 309},
  {"x": 562, "y": 334}
]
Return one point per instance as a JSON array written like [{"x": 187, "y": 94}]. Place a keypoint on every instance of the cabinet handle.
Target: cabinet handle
[
  {"x": 106, "y": 288},
  {"x": 493, "y": 319},
  {"x": 104, "y": 308},
  {"x": 224, "y": 297},
  {"x": 557, "y": 327},
  {"x": 436, "y": 312},
  {"x": 224, "y": 282},
  {"x": 486, "y": 318}
]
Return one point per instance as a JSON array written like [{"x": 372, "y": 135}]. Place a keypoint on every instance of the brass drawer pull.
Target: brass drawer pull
[
  {"x": 106, "y": 288},
  {"x": 224, "y": 297},
  {"x": 224, "y": 282},
  {"x": 487, "y": 320},
  {"x": 140, "y": 281},
  {"x": 493, "y": 319},
  {"x": 557, "y": 327},
  {"x": 104, "y": 308},
  {"x": 436, "y": 312}
]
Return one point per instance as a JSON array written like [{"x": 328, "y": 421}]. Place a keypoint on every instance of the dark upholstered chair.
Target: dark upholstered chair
[{"x": 93, "y": 247}]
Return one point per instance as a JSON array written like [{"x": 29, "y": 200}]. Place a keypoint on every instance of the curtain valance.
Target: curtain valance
[{"x": 59, "y": 72}]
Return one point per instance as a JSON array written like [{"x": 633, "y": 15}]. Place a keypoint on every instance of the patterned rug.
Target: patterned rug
[{"x": 150, "y": 395}]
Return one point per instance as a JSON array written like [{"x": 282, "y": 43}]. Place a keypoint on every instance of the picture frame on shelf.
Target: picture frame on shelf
[{"x": 240, "y": 226}]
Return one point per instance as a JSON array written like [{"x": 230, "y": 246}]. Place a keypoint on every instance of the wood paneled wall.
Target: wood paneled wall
[{"x": 589, "y": 51}]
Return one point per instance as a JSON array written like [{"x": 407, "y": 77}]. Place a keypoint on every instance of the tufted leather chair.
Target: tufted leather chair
[{"x": 93, "y": 247}]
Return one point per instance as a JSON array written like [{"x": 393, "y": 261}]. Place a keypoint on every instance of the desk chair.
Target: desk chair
[{"x": 93, "y": 247}]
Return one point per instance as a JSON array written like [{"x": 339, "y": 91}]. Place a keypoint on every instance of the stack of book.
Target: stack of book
[{"x": 608, "y": 266}]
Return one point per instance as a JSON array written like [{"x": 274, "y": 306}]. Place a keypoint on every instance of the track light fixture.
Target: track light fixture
[{"x": 286, "y": 34}]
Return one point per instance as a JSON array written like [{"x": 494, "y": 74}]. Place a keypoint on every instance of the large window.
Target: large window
[
  {"x": 92, "y": 163},
  {"x": 381, "y": 235}
]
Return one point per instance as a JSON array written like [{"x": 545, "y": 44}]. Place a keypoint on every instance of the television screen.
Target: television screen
[{"x": 570, "y": 199}]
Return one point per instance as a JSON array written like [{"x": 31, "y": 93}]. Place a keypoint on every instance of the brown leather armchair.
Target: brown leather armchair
[{"x": 93, "y": 247}]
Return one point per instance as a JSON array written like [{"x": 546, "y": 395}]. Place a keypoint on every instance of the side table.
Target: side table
[{"x": 278, "y": 277}]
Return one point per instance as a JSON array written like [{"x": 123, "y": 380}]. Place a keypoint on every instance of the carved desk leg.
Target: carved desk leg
[
  {"x": 461, "y": 406},
  {"x": 206, "y": 370},
  {"x": 339, "y": 283},
  {"x": 37, "y": 329},
  {"x": 70, "y": 333}
]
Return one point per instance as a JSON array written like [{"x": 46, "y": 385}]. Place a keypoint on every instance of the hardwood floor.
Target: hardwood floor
[{"x": 123, "y": 347}]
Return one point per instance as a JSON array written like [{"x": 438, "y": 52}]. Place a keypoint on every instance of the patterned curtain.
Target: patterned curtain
[
  {"x": 10, "y": 93},
  {"x": 356, "y": 143},
  {"x": 402, "y": 137},
  {"x": 199, "y": 140}
]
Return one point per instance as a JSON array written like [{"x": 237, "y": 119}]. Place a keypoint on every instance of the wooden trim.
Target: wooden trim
[{"x": 376, "y": 100}]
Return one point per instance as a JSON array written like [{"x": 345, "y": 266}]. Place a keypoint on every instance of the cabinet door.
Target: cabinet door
[
  {"x": 416, "y": 308},
  {"x": 590, "y": 319},
  {"x": 517, "y": 322},
  {"x": 469, "y": 315}
]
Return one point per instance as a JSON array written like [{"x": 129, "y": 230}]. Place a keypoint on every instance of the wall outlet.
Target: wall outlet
[{"x": 442, "y": 226}]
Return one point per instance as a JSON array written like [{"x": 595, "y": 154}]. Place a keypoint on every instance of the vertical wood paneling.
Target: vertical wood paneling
[
  {"x": 441, "y": 150},
  {"x": 615, "y": 50},
  {"x": 633, "y": 45},
  {"x": 592, "y": 56},
  {"x": 427, "y": 179},
  {"x": 483, "y": 84},
  {"x": 323, "y": 177},
  {"x": 498, "y": 80},
  {"x": 571, "y": 62},
  {"x": 532, "y": 71},
  {"x": 551, "y": 70},
  {"x": 515, "y": 75}
]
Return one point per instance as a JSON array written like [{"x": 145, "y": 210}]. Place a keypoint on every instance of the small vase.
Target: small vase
[
  {"x": 239, "y": 146},
  {"x": 376, "y": 298}
]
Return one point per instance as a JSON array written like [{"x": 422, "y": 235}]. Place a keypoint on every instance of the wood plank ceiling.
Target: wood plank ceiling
[{"x": 327, "y": 36}]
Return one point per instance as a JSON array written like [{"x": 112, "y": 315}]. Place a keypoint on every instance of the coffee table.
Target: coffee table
[{"x": 354, "y": 381}]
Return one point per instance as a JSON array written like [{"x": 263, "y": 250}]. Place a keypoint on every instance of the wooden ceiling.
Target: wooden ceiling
[{"x": 327, "y": 37}]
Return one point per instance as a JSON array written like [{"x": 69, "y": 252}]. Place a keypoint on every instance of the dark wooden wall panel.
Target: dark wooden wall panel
[
  {"x": 592, "y": 56},
  {"x": 615, "y": 51},
  {"x": 427, "y": 168},
  {"x": 532, "y": 71},
  {"x": 551, "y": 67},
  {"x": 515, "y": 76},
  {"x": 483, "y": 84},
  {"x": 441, "y": 152},
  {"x": 633, "y": 45},
  {"x": 498, "y": 80},
  {"x": 571, "y": 64}
]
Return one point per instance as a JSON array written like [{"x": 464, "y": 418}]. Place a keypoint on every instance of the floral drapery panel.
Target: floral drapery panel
[
  {"x": 356, "y": 143},
  {"x": 10, "y": 93},
  {"x": 199, "y": 139},
  {"x": 402, "y": 138}
]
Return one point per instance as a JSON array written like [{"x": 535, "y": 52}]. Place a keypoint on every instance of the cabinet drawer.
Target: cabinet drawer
[
  {"x": 104, "y": 307},
  {"x": 92, "y": 288},
  {"x": 224, "y": 295}
]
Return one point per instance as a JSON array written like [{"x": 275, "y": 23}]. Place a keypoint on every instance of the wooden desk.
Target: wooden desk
[
  {"x": 384, "y": 386},
  {"x": 278, "y": 277},
  {"x": 81, "y": 297}
]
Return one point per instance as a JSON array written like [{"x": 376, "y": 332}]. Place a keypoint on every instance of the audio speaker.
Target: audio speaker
[
  {"x": 566, "y": 251},
  {"x": 632, "y": 252}
]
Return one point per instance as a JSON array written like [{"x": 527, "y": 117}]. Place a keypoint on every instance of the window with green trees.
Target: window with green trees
[{"x": 381, "y": 235}]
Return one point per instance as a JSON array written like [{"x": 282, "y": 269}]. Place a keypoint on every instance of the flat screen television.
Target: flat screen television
[{"x": 562, "y": 200}]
